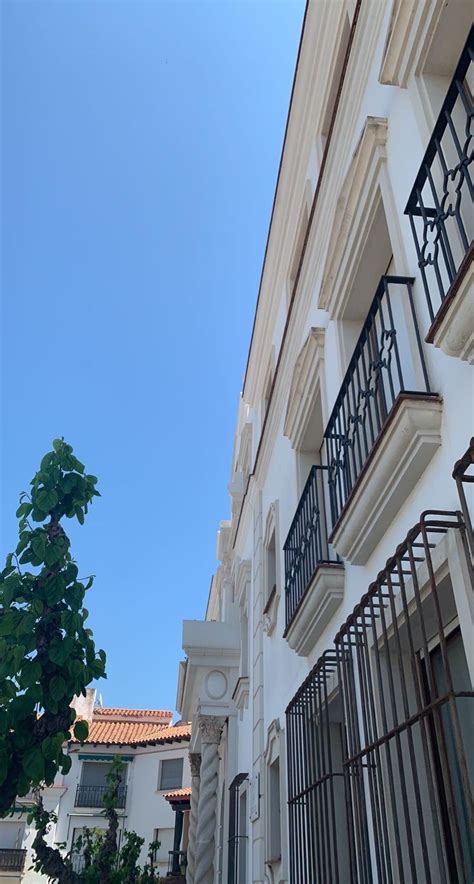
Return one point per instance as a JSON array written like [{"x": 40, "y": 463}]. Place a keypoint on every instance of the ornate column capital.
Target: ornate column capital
[
  {"x": 195, "y": 763},
  {"x": 210, "y": 728}
]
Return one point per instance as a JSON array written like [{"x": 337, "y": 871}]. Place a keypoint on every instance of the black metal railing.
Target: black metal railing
[
  {"x": 440, "y": 203},
  {"x": 12, "y": 859},
  {"x": 463, "y": 474},
  {"x": 93, "y": 796},
  {"x": 318, "y": 851},
  {"x": 306, "y": 546},
  {"x": 379, "y": 734},
  {"x": 177, "y": 862},
  {"x": 388, "y": 360}
]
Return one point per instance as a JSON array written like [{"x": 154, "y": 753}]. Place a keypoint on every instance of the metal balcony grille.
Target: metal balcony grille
[
  {"x": 12, "y": 859},
  {"x": 397, "y": 684},
  {"x": 316, "y": 787},
  {"x": 93, "y": 796},
  {"x": 177, "y": 862},
  {"x": 463, "y": 474},
  {"x": 306, "y": 546},
  {"x": 387, "y": 361},
  {"x": 440, "y": 203}
]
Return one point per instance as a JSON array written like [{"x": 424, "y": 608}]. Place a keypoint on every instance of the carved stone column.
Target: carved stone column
[
  {"x": 195, "y": 763},
  {"x": 210, "y": 728}
]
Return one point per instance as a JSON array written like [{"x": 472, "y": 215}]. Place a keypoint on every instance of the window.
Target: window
[
  {"x": 91, "y": 790},
  {"x": 380, "y": 754},
  {"x": 171, "y": 774},
  {"x": 238, "y": 835}
]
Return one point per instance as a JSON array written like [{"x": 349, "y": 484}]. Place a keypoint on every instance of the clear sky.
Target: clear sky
[{"x": 141, "y": 143}]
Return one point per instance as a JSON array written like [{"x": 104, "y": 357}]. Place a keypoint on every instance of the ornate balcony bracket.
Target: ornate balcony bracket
[
  {"x": 319, "y": 603},
  {"x": 406, "y": 445}
]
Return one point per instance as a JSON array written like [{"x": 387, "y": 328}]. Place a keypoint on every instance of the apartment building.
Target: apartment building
[
  {"x": 330, "y": 681},
  {"x": 153, "y": 800}
]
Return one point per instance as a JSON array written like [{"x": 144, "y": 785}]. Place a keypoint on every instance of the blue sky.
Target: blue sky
[{"x": 141, "y": 143}]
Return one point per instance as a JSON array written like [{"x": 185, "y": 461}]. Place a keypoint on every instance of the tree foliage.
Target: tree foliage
[{"x": 47, "y": 654}]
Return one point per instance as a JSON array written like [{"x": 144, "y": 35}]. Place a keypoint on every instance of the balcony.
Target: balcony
[
  {"x": 384, "y": 427},
  {"x": 177, "y": 862},
  {"x": 314, "y": 577},
  {"x": 93, "y": 796},
  {"x": 442, "y": 219},
  {"x": 12, "y": 859}
]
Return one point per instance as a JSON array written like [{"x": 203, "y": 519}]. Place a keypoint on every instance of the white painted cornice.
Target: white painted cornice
[
  {"x": 317, "y": 59},
  {"x": 242, "y": 579}
]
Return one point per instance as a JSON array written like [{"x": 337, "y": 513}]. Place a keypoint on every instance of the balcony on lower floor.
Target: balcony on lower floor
[
  {"x": 314, "y": 576},
  {"x": 385, "y": 425},
  {"x": 93, "y": 796},
  {"x": 442, "y": 218},
  {"x": 12, "y": 859}
]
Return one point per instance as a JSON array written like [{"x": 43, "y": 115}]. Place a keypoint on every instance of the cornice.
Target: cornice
[{"x": 315, "y": 68}]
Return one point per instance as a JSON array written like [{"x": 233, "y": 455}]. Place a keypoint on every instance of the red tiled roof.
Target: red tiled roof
[
  {"x": 132, "y": 713},
  {"x": 178, "y": 793},
  {"x": 131, "y": 733}
]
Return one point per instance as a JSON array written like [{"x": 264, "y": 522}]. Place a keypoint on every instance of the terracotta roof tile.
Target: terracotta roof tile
[
  {"x": 131, "y": 733},
  {"x": 132, "y": 713},
  {"x": 178, "y": 793}
]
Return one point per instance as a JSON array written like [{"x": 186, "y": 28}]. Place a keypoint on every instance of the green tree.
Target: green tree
[
  {"x": 47, "y": 653},
  {"x": 47, "y": 657}
]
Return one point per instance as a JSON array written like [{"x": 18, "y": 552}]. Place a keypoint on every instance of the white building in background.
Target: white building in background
[
  {"x": 330, "y": 683},
  {"x": 153, "y": 801}
]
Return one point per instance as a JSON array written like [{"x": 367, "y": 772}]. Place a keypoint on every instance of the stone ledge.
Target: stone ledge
[
  {"x": 453, "y": 328},
  {"x": 406, "y": 445},
  {"x": 321, "y": 599}
]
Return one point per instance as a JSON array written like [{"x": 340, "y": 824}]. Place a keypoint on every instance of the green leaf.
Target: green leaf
[
  {"x": 46, "y": 500},
  {"x": 38, "y": 544},
  {"x": 33, "y": 765},
  {"x": 30, "y": 673},
  {"x": 80, "y": 515},
  {"x": 81, "y": 731},
  {"x": 57, "y": 687},
  {"x": 66, "y": 763},
  {"x": 58, "y": 444}
]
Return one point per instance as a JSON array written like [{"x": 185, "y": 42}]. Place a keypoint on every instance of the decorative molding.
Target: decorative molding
[
  {"x": 270, "y": 611},
  {"x": 408, "y": 442},
  {"x": 271, "y": 601},
  {"x": 241, "y": 694},
  {"x": 243, "y": 576},
  {"x": 318, "y": 605},
  {"x": 210, "y": 728},
  {"x": 453, "y": 332},
  {"x": 306, "y": 386},
  {"x": 411, "y": 23},
  {"x": 356, "y": 205}
]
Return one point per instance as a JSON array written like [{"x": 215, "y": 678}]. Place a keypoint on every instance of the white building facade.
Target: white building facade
[
  {"x": 330, "y": 683},
  {"x": 153, "y": 800}
]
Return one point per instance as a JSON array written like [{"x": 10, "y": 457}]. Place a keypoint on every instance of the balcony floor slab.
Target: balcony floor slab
[{"x": 319, "y": 603}]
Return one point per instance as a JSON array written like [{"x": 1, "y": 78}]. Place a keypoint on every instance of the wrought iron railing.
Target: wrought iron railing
[
  {"x": 306, "y": 546},
  {"x": 93, "y": 796},
  {"x": 12, "y": 859},
  {"x": 387, "y": 361},
  {"x": 177, "y": 862},
  {"x": 379, "y": 733},
  {"x": 463, "y": 474},
  {"x": 440, "y": 203}
]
